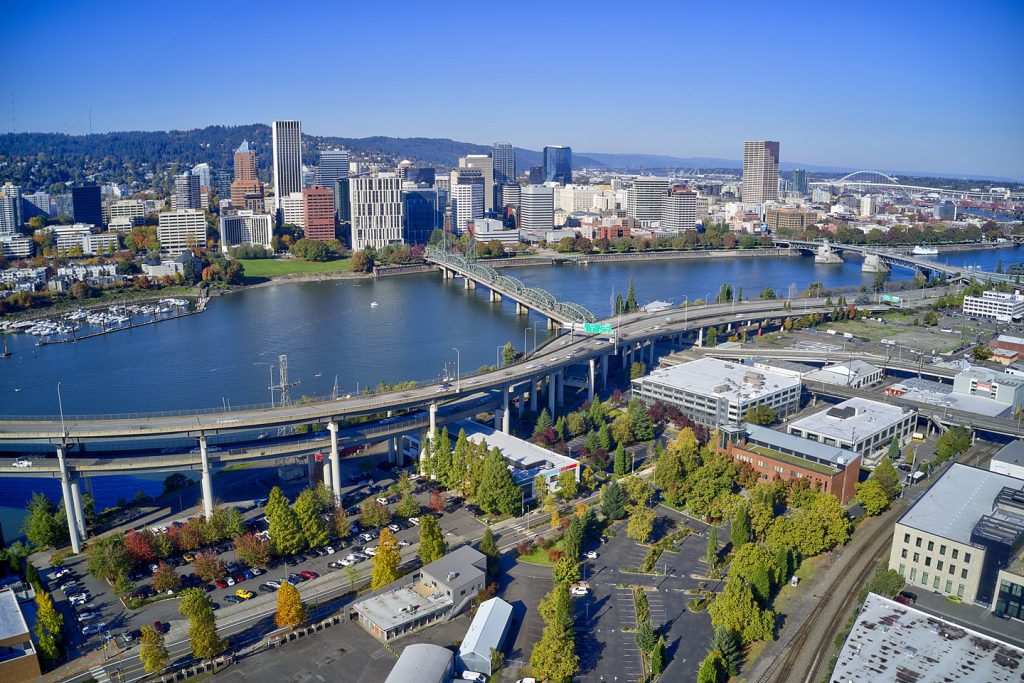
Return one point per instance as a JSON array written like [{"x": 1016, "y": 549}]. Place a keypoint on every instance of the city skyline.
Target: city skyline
[{"x": 830, "y": 90}]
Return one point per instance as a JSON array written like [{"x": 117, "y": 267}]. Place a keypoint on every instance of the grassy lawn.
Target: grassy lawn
[
  {"x": 266, "y": 267},
  {"x": 921, "y": 338},
  {"x": 540, "y": 556}
]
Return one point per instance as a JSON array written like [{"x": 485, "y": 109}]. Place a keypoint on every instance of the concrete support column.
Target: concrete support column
[
  {"x": 700, "y": 337},
  {"x": 332, "y": 427},
  {"x": 553, "y": 324},
  {"x": 495, "y": 297},
  {"x": 311, "y": 469},
  {"x": 468, "y": 283},
  {"x": 522, "y": 310},
  {"x": 533, "y": 394},
  {"x": 561, "y": 388},
  {"x": 624, "y": 352},
  {"x": 327, "y": 475},
  {"x": 76, "y": 498},
  {"x": 604, "y": 371},
  {"x": 552, "y": 394},
  {"x": 399, "y": 455},
  {"x": 522, "y": 403},
  {"x": 591, "y": 378},
  {"x": 505, "y": 412},
  {"x": 69, "y": 503},
  {"x": 391, "y": 450},
  {"x": 86, "y": 485},
  {"x": 652, "y": 354},
  {"x": 207, "y": 480},
  {"x": 433, "y": 420}
]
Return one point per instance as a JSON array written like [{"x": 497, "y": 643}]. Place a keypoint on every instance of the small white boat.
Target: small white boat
[
  {"x": 374, "y": 304},
  {"x": 925, "y": 251}
]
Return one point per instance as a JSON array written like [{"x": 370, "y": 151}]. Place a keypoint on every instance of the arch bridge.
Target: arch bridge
[{"x": 876, "y": 180}]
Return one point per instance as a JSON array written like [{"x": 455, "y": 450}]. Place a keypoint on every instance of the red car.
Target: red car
[
  {"x": 239, "y": 578},
  {"x": 308, "y": 575},
  {"x": 161, "y": 627},
  {"x": 221, "y": 583}
]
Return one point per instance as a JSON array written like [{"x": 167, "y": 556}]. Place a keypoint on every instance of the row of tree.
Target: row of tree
[{"x": 474, "y": 470}]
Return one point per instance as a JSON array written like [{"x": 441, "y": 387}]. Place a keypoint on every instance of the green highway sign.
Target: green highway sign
[
  {"x": 890, "y": 299},
  {"x": 598, "y": 328}
]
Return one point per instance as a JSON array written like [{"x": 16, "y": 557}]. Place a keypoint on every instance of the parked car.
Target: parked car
[
  {"x": 592, "y": 555},
  {"x": 275, "y": 584},
  {"x": 414, "y": 520},
  {"x": 309, "y": 575},
  {"x": 394, "y": 528},
  {"x": 246, "y": 574},
  {"x": 161, "y": 627},
  {"x": 221, "y": 583},
  {"x": 579, "y": 591},
  {"x": 344, "y": 563},
  {"x": 244, "y": 594},
  {"x": 403, "y": 543},
  {"x": 266, "y": 588},
  {"x": 383, "y": 500},
  {"x": 473, "y": 676},
  {"x": 230, "y": 580},
  {"x": 366, "y": 537},
  {"x": 131, "y": 636},
  {"x": 91, "y": 629},
  {"x": 80, "y": 599},
  {"x": 232, "y": 599},
  {"x": 330, "y": 550},
  {"x": 912, "y": 597}
]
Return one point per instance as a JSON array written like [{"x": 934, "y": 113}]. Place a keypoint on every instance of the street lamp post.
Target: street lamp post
[
  {"x": 497, "y": 357},
  {"x": 686, "y": 308},
  {"x": 458, "y": 369}
]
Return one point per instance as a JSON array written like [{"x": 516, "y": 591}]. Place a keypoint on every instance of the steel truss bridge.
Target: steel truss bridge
[
  {"x": 878, "y": 181},
  {"x": 542, "y": 301}
]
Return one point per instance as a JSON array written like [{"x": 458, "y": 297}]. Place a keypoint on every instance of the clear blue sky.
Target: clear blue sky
[{"x": 918, "y": 86}]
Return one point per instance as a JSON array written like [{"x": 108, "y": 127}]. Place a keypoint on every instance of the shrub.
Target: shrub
[{"x": 554, "y": 555}]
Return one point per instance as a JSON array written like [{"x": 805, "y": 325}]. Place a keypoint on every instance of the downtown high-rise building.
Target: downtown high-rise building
[
  {"x": 333, "y": 166},
  {"x": 537, "y": 208},
  {"x": 181, "y": 230},
  {"x": 205, "y": 174},
  {"x": 682, "y": 209},
  {"x": 246, "y": 228},
  {"x": 645, "y": 199},
  {"x": 10, "y": 209},
  {"x": 287, "y": 146},
  {"x": 485, "y": 164},
  {"x": 799, "y": 182},
  {"x": 318, "y": 212},
  {"x": 246, "y": 188},
  {"x": 423, "y": 212},
  {"x": 87, "y": 205},
  {"x": 558, "y": 164},
  {"x": 760, "y": 171},
  {"x": 467, "y": 205},
  {"x": 186, "y": 192},
  {"x": 504, "y": 156},
  {"x": 376, "y": 206}
]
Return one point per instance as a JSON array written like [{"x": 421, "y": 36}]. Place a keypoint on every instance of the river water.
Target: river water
[{"x": 330, "y": 329}]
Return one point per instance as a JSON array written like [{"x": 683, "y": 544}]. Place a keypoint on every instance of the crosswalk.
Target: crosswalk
[{"x": 99, "y": 674}]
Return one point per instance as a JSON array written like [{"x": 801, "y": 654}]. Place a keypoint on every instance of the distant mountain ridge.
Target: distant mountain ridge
[{"x": 216, "y": 145}]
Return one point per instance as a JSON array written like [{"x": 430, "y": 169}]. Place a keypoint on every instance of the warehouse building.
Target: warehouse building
[
  {"x": 423, "y": 663},
  {"x": 486, "y": 634}
]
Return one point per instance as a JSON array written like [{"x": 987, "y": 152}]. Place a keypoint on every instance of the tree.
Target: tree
[
  {"x": 711, "y": 551},
  {"x": 566, "y": 570},
  {"x": 252, "y": 549},
  {"x": 872, "y": 497},
  {"x": 739, "y": 530},
  {"x": 107, "y": 559},
  {"x": 639, "y": 491},
  {"x": 952, "y": 443},
  {"x": 290, "y": 611},
  {"x": 311, "y": 250},
  {"x": 760, "y": 415},
  {"x": 736, "y": 610},
  {"x": 543, "y": 424},
  {"x": 139, "y": 546},
  {"x": 711, "y": 337},
  {"x": 386, "y": 561},
  {"x": 631, "y": 303},
  {"x": 408, "y": 506},
  {"x": 489, "y": 547},
  {"x": 497, "y": 491},
  {"x": 165, "y": 578},
  {"x": 342, "y": 524},
  {"x": 554, "y": 659},
  {"x": 646, "y": 638},
  {"x": 508, "y": 354},
  {"x": 727, "y": 644},
  {"x": 285, "y": 530},
  {"x": 42, "y": 526},
  {"x": 431, "y": 540},
  {"x": 441, "y": 460},
  {"x": 887, "y": 477},
  {"x": 572, "y": 539},
  {"x": 886, "y": 582},
  {"x": 640, "y": 424},
  {"x": 226, "y": 522},
  {"x": 767, "y": 293},
  {"x": 613, "y": 500},
  {"x": 641, "y": 523},
  {"x": 308, "y": 511},
  {"x": 894, "y": 450},
  {"x": 458, "y": 470},
  {"x": 568, "y": 487},
  {"x": 152, "y": 651},
  {"x": 981, "y": 352},
  {"x": 620, "y": 461},
  {"x": 49, "y": 623},
  {"x": 712, "y": 669},
  {"x": 202, "y": 630},
  {"x": 373, "y": 514},
  {"x": 208, "y": 568}
]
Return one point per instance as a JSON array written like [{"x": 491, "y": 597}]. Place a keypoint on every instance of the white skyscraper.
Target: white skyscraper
[
  {"x": 760, "y": 171},
  {"x": 645, "y": 199},
  {"x": 186, "y": 192},
  {"x": 287, "y": 145},
  {"x": 537, "y": 208},
  {"x": 467, "y": 205},
  {"x": 246, "y": 228},
  {"x": 485, "y": 164},
  {"x": 376, "y": 204},
  {"x": 682, "y": 209},
  {"x": 10, "y": 209},
  {"x": 204, "y": 173}
]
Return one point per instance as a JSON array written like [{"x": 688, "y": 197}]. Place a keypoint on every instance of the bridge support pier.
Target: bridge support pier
[
  {"x": 652, "y": 355},
  {"x": 87, "y": 485},
  {"x": 522, "y": 402},
  {"x": 433, "y": 420},
  {"x": 591, "y": 378},
  {"x": 522, "y": 310},
  {"x": 561, "y": 389},
  {"x": 207, "y": 479},
  {"x": 447, "y": 274},
  {"x": 468, "y": 283},
  {"x": 494, "y": 297},
  {"x": 332, "y": 427},
  {"x": 391, "y": 450},
  {"x": 311, "y": 469},
  {"x": 76, "y": 498},
  {"x": 505, "y": 413},
  {"x": 700, "y": 337},
  {"x": 604, "y": 371},
  {"x": 533, "y": 394},
  {"x": 553, "y": 324},
  {"x": 69, "y": 504},
  {"x": 327, "y": 476},
  {"x": 552, "y": 393}
]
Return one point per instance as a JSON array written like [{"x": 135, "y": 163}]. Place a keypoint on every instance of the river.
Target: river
[{"x": 331, "y": 329}]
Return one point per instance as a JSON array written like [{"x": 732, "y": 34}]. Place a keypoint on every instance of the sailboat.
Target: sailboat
[{"x": 6, "y": 353}]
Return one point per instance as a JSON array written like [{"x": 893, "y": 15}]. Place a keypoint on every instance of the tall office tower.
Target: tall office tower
[
  {"x": 535, "y": 176},
  {"x": 760, "y": 171},
  {"x": 287, "y": 159},
  {"x": 181, "y": 230},
  {"x": 508, "y": 195},
  {"x": 467, "y": 205},
  {"x": 504, "y": 155},
  {"x": 35, "y": 204},
  {"x": 186, "y": 192},
  {"x": 558, "y": 164},
  {"x": 10, "y": 209},
  {"x": 222, "y": 183},
  {"x": 423, "y": 212},
  {"x": 204, "y": 173},
  {"x": 800, "y": 181},
  {"x": 342, "y": 205},
  {"x": 318, "y": 208},
  {"x": 420, "y": 175},
  {"x": 87, "y": 205},
  {"x": 682, "y": 209},
  {"x": 376, "y": 204},
  {"x": 292, "y": 210},
  {"x": 537, "y": 208},
  {"x": 644, "y": 199},
  {"x": 333, "y": 166},
  {"x": 246, "y": 188},
  {"x": 246, "y": 228},
  {"x": 485, "y": 164}
]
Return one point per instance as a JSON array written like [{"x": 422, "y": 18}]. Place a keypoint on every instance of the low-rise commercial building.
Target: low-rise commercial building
[
  {"x": 18, "y": 659},
  {"x": 941, "y": 394},
  {"x": 486, "y": 634},
  {"x": 246, "y": 228},
  {"x": 1009, "y": 460},
  {"x": 438, "y": 591},
  {"x": 987, "y": 383},
  {"x": 859, "y": 425},
  {"x": 962, "y": 536},
  {"x": 777, "y": 456},
  {"x": 995, "y": 305},
  {"x": 423, "y": 663},
  {"x": 716, "y": 392},
  {"x": 890, "y": 641},
  {"x": 852, "y": 373}
]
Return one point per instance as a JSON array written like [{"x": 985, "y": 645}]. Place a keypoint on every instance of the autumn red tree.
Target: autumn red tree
[
  {"x": 436, "y": 502},
  {"x": 184, "y": 537},
  {"x": 208, "y": 567},
  {"x": 253, "y": 550},
  {"x": 139, "y": 547}
]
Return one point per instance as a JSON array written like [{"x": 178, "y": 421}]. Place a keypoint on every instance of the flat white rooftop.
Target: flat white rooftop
[
  {"x": 894, "y": 642},
  {"x": 522, "y": 454},
  {"x": 852, "y": 420},
  {"x": 842, "y": 373},
  {"x": 939, "y": 394},
  {"x": 715, "y": 377}
]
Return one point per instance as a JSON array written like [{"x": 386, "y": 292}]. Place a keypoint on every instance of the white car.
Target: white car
[
  {"x": 274, "y": 584},
  {"x": 528, "y": 679},
  {"x": 473, "y": 676},
  {"x": 256, "y": 571},
  {"x": 592, "y": 555},
  {"x": 383, "y": 500},
  {"x": 229, "y": 581},
  {"x": 22, "y": 462},
  {"x": 371, "y": 551},
  {"x": 366, "y": 538},
  {"x": 579, "y": 591},
  {"x": 415, "y": 521},
  {"x": 330, "y": 550},
  {"x": 347, "y": 562},
  {"x": 403, "y": 543},
  {"x": 394, "y": 528}
]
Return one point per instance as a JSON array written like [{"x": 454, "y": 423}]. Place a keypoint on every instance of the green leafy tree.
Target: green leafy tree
[
  {"x": 736, "y": 610},
  {"x": 566, "y": 570},
  {"x": 631, "y": 302},
  {"x": 442, "y": 460},
  {"x": 639, "y": 491},
  {"x": 386, "y": 561},
  {"x": 872, "y": 496},
  {"x": 226, "y": 522},
  {"x": 285, "y": 529},
  {"x": 431, "y": 540},
  {"x": 894, "y": 450},
  {"x": 658, "y": 657},
  {"x": 646, "y": 638},
  {"x": 489, "y": 547},
  {"x": 508, "y": 354},
  {"x": 165, "y": 578},
  {"x": 712, "y": 669},
  {"x": 887, "y": 477},
  {"x": 711, "y": 550},
  {"x": 739, "y": 530},
  {"x": 886, "y": 582},
  {"x": 49, "y": 623},
  {"x": 711, "y": 337},
  {"x": 308, "y": 511},
  {"x": 981, "y": 352},
  {"x": 641, "y": 523},
  {"x": 290, "y": 611},
  {"x": 727, "y": 644},
  {"x": 544, "y": 423},
  {"x": 152, "y": 651},
  {"x": 373, "y": 514},
  {"x": 640, "y": 423},
  {"x": 408, "y": 506},
  {"x": 459, "y": 468},
  {"x": 572, "y": 539},
  {"x": 568, "y": 487},
  {"x": 760, "y": 415},
  {"x": 604, "y": 434},
  {"x": 42, "y": 527},
  {"x": 620, "y": 461},
  {"x": 202, "y": 631},
  {"x": 614, "y": 500},
  {"x": 554, "y": 655},
  {"x": 107, "y": 558},
  {"x": 497, "y": 491},
  {"x": 637, "y": 370},
  {"x": 561, "y": 428},
  {"x": 954, "y": 442}
]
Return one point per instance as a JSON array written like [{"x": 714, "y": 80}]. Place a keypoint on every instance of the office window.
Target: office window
[
  {"x": 942, "y": 550},
  {"x": 952, "y": 569},
  {"x": 955, "y": 553},
  {"x": 902, "y": 569},
  {"x": 913, "y": 574},
  {"x": 963, "y": 573},
  {"x": 917, "y": 557},
  {"x": 931, "y": 546},
  {"x": 960, "y": 591},
  {"x": 903, "y": 553},
  {"x": 924, "y": 578},
  {"x": 917, "y": 541},
  {"x": 928, "y": 561},
  {"x": 939, "y": 565},
  {"x": 967, "y": 558},
  {"x": 935, "y": 583},
  {"x": 949, "y": 586}
]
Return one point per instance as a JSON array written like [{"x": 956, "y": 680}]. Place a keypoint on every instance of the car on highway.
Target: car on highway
[
  {"x": 22, "y": 462},
  {"x": 244, "y": 594}
]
